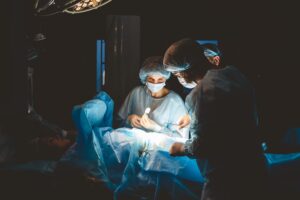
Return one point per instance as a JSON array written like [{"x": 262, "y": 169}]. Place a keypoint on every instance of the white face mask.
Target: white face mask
[
  {"x": 185, "y": 84},
  {"x": 155, "y": 87}
]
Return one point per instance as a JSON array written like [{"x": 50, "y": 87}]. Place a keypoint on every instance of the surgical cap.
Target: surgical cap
[
  {"x": 182, "y": 54},
  {"x": 153, "y": 66},
  {"x": 209, "y": 53},
  {"x": 211, "y": 50}
]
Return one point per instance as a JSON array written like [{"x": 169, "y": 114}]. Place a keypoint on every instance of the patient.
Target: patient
[{"x": 166, "y": 107}]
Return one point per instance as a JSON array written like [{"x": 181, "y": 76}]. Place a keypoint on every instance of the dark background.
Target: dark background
[{"x": 260, "y": 39}]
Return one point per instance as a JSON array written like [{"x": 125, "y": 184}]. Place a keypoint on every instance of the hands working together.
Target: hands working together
[
  {"x": 136, "y": 121},
  {"x": 143, "y": 121}
]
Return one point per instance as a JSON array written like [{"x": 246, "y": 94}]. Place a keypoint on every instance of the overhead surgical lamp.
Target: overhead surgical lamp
[{"x": 51, "y": 7}]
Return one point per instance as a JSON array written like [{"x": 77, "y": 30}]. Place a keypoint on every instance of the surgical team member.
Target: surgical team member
[
  {"x": 224, "y": 139},
  {"x": 166, "y": 107},
  {"x": 213, "y": 54}
]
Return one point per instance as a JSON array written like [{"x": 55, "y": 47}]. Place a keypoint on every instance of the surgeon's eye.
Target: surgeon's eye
[
  {"x": 156, "y": 79},
  {"x": 151, "y": 80},
  {"x": 160, "y": 80}
]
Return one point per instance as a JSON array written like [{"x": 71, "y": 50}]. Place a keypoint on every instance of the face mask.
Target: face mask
[
  {"x": 155, "y": 87},
  {"x": 183, "y": 82}
]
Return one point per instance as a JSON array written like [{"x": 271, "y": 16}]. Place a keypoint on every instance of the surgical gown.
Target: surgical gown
[
  {"x": 165, "y": 111},
  {"x": 225, "y": 139},
  {"x": 191, "y": 104}
]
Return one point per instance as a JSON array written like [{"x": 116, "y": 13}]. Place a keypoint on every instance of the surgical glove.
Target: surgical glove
[
  {"x": 184, "y": 121},
  {"x": 149, "y": 124},
  {"x": 177, "y": 149},
  {"x": 134, "y": 121}
]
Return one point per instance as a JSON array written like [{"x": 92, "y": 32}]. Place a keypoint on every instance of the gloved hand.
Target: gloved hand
[
  {"x": 184, "y": 121},
  {"x": 149, "y": 124},
  {"x": 134, "y": 121},
  {"x": 177, "y": 149}
]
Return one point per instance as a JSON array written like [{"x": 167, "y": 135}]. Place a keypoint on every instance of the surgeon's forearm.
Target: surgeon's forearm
[
  {"x": 188, "y": 147},
  {"x": 192, "y": 147}
]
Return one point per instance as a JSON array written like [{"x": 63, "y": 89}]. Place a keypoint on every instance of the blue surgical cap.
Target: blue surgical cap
[
  {"x": 210, "y": 53},
  {"x": 211, "y": 50},
  {"x": 153, "y": 66}
]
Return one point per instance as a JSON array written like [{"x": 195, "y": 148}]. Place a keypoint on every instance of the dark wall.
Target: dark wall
[
  {"x": 66, "y": 74},
  {"x": 123, "y": 52},
  {"x": 260, "y": 39},
  {"x": 12, "y": 68}
]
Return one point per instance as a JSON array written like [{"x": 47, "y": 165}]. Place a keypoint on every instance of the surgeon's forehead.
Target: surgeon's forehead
[{"x": 155, "y": 76}]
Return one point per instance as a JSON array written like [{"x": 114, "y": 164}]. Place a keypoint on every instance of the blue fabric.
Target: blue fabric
[
  {"x": 209, "y": 53},
  {"x": 150, "y": 70},
  {"x": 128, "y": 159},
  {"x": 165, "y": 111},
  {"x": 273, "y": 158},
  {"x": 108, "y": 116},
  {"x": 86, "y": 116}
]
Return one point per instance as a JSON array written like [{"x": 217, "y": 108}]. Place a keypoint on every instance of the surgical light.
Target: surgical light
[{"x": 50, "y": 7}]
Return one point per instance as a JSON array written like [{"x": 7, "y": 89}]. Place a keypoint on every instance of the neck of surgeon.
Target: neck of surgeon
[{"x": 159, "y": 94}]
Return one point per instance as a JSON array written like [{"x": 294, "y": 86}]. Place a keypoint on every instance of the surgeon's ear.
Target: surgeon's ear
[{"x": 216, "y": 60}]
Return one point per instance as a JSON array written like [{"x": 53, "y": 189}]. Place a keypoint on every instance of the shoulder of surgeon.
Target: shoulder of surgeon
[
  {"x": 137, "y": 90},
  {"x": 226, "y": 79},
  {"x": 173, "y": 96}
]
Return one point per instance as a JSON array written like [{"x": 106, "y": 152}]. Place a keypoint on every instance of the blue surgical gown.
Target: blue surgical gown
[{"x": 165, "y": 111}]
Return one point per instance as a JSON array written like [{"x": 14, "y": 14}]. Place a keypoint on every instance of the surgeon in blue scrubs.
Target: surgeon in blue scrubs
[
  {"x": 165, "y": 106},
  {"x": 224, "y": 137}
]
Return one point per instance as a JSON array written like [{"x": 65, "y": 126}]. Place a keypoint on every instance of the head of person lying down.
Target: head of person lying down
[{"x": 152, "y": 106}]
